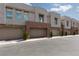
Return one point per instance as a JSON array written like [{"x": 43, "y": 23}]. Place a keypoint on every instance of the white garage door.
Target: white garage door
[
  {"x": 38, "y": 33},
  {"x": 10, "y": 33}
]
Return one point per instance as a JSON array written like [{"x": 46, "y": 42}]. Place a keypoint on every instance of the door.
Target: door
[
  {"x": 38, "y": 33},
  {"x": 10, "y": 33}
]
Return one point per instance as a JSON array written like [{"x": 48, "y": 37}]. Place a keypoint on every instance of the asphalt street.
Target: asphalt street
[{"x": 55, "y": 46}]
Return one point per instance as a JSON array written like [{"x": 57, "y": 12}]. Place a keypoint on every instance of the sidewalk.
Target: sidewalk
[{"x": 34, "y": 39}]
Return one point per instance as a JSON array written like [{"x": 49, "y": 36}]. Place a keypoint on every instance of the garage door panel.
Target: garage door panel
[
  {"x": 55, "y": 32},
  {"x": 38, "y": 33},
  {"x": 10, "y": 33}
]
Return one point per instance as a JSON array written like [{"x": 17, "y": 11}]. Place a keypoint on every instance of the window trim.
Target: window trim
[
  {"x": 8, "y": 16},
  {"x": 18, "y": 12},
  {"x": 67, "y": 23},
  {"x": 26, "y": 13},
  {"x": 42, "y": 17},
  {"x": 56, "y": 20}
]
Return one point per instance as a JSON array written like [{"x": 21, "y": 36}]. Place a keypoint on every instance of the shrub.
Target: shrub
[
  {"x": 51, "y": 34},
  {"x": 25, "y": 35}
]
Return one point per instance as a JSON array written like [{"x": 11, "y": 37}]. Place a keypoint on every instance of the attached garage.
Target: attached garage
[
  {"x": 38, "y": 33},
  {"x": 10, "y": 33},
  {"x": 67, "y": 32},
  {"x": 55, "y": 32}
]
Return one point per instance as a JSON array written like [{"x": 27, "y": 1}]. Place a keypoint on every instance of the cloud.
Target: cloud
[
  {"x": 62, "y": 8},
  {"x": 29, "y": 4},
  {"x": 56, "y": 4},
  {"x": 77, "y": 9}
]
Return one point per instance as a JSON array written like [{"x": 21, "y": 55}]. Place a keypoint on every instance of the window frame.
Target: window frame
[
  {"x": 9, "y": 16},
  {"x": 24, "y": 14},
  {"x": 41, "y": 17},
  {"x": 67, "y": 23},
  {"x": 56, "y": 20},
  {"x": 19, "y": 14}
]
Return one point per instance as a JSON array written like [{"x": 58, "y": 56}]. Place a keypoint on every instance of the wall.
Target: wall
[
  {"x": 40, "y": 11},
  {"x": 22, "y": 7},
  {"x": 75, "y": 23},
  {"x": 64, "y": 20},
  {"x": 52, "y": 16},
  {"x": 2, "y": 19}
]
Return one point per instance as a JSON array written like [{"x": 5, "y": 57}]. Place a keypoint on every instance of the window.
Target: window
[
  {"x": 26, "y": 16},
  {"x": 41, "y": 18},
  {"x": 9, "y": 14},
  {"x": 56, "y": 21},
  {"x": 67, "y": 23},
  {"x": 19, "y": 15},
  {"x": 73, "y": 23}
]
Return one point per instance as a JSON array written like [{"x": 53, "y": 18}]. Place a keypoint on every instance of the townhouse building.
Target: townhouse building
[
  {"x": 70, "y": 25},
  {"x": 16, "y": 16},
  {"x": 55, "y": 23},
  {"x": 78, "y": 27},
  {"x": 39, "y": 27},
  {"x": 74, "y": 26},
  {"x": 66, "y": 22},
  {"x": 37, "y": 22},
  {"x": 11, "y": 21}
]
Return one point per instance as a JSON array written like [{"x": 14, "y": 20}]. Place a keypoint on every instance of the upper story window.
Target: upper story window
[
  {"x": 73, "y": 24},
  {"x": 67, "y": 23},
  {"x": 19, "y": 15},
  {"x": 56, "y": 21},
  {"x": 26, "y": 16},
  {"x": 9, "y": 14},
  {"x": 41, "y": 18}
]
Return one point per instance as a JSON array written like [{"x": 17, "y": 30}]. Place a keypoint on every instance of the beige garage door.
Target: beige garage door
[
  {"x": 55, "y": 32},
  {"x": 10, "y": 33},
  {"x": 38, "y": 33}
]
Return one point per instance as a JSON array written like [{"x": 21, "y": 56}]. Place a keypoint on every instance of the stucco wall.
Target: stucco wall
[
  {"x": 75, "y": 22},
  {"x": 22, "y": 7},
  {"x": 33, "y": 13},
  {"x": 54, "y": 15},
  {"x": 2, "y": 19},
  {"x": 64, "y": 20},
  {"x": 40, "y": 11}
]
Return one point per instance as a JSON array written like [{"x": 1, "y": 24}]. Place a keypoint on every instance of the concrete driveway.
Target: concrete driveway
[{"x": 56, "y": 46}]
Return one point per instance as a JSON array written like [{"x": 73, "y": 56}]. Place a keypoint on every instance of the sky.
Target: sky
[{"x": 64, "y": 9}]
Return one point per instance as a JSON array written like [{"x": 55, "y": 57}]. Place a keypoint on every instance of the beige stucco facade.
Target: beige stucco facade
[
  {"x": 33, "y": 19},
  {"x": 54, "y": 15},
  {"x": 66, "y": 19},
  {"x": 55, "y": 28},
  {"x": 39, "y": 23},
  {"x": 72, "y": 26}
]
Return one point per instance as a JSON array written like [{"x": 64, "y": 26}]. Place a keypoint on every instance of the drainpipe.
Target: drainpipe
[
  {"x": 62, "y": 28},
  {"x": 71, "y": 28}
]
